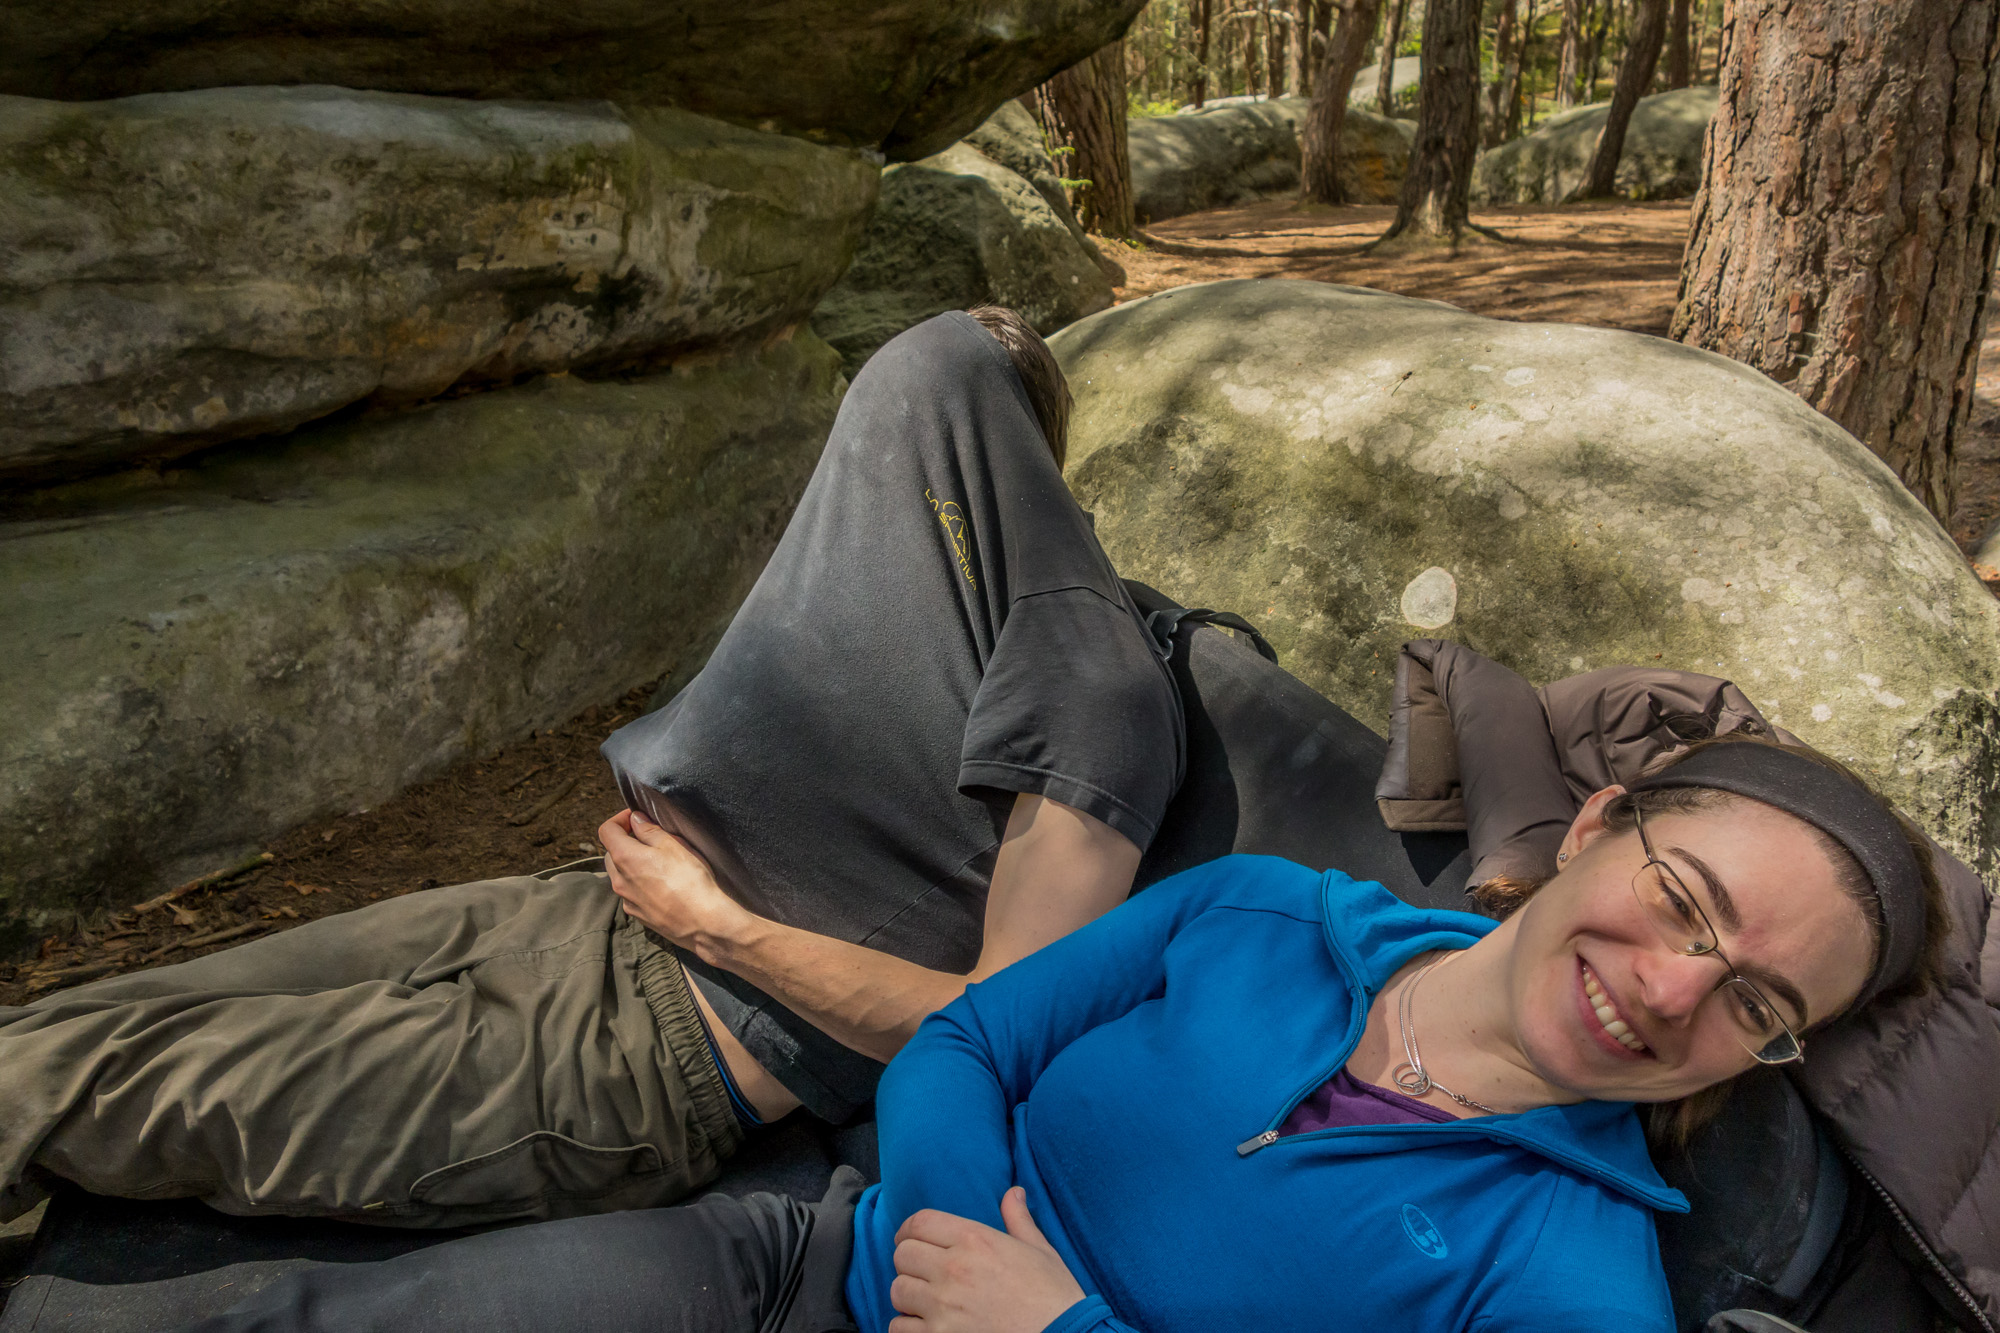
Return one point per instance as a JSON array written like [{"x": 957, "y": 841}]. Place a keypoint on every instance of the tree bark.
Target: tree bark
[
  {"x": 1201, "y": 26},
  {"x": 1084, "y": 109},
  {"x": 1635, "y": 76},
  {"x": 1493, "y": 124},
  {"x": 1513, "y": 95},
  {"x": 1594, "y": 50},
  {"x": 1679, "y": 74},
  {"x": 1385, "y": 82},
  {"x": 1275, "y": 30},
  {"x": 1436, "y": 188},
  {"x": 1319, "y": 150},
  {"x": 1569, "y": 66},
  {"x": 1843, "y": 240}
]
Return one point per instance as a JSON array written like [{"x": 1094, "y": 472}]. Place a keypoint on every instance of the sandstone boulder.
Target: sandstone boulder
[
  {"x": 1661, "y": 159},
  {"x": 958, "y": 230},
  {"x": 1402, "y": 83},
  {"x": 1351, "y": 469},
  {"x": 198, "y": 662},
  {"x": 185, "y": 268},
  {"x": 907, "y": 77},
  {"x": 1236, "y": 153}
]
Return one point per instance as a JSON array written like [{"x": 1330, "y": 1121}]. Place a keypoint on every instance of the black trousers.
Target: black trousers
[{"x": 761, "y": 1264}]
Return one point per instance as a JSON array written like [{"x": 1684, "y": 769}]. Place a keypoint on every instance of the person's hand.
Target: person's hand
[
  {"x": 954, "y": 1275},
  {"x": 665, "y": 883}
]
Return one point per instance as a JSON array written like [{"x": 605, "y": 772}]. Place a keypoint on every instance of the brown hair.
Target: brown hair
[
  {"x": 1673, "y": 1123},
  {"x": 1048, "y": 390}
]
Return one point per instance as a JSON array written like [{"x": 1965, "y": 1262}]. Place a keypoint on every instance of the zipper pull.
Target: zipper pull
[{"x": 1264, "y": 1140}]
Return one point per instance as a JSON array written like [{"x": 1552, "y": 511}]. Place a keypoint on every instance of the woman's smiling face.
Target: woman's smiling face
[{"x": 1585, "y": 947}]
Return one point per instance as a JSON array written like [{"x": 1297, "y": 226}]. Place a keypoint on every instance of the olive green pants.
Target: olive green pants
[{"x": 510, "y": 1049}]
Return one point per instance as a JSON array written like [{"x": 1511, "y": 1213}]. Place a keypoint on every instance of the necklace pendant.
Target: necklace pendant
[{"x": 1412, "y": 1080}]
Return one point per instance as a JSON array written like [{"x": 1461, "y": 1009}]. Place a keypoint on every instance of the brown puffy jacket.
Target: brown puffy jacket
[{"x": 1910, "y": 1087}]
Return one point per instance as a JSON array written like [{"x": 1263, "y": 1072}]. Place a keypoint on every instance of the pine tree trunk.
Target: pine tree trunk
[
  {"x": 1844, "y": 237},
  {"x": 1385, "y": 83},
  {"x": 1569, "y": 66},
  {"x": 1201, "y": 24},
  {"x": 1084, "y": 109},
  {"x": 1678, "y": 72},
  {"x": 1513, "y": 95},
  {"x": 1493, "y": 124},
  {"x": 1635, "y": 76},
  {"x": 1319, "y": 150},
  {"x": 1439, "y": 181}
]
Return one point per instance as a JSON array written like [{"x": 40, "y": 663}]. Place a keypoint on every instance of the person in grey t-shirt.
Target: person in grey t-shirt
[{"x": 936, "y": 737}]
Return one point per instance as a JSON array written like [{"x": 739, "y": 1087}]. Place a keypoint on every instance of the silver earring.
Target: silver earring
[{"x": 1561, "y": 857}]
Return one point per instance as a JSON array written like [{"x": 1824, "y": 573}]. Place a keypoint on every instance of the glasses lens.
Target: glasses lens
[
  {"x": 1757, "y": 1022},
  {"x": 1673, "y": 912}
]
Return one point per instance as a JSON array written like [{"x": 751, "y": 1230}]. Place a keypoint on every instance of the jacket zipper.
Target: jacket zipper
[
  {"x": 1264, "y": 1140},
  {"x": 1952, "y": 1284}
]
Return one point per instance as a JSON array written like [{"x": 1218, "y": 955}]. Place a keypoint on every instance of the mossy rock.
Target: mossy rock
[
  {"x": 187, "y": 268},
  {"x": 1661, "y": 158},
  {"x": 909, "y": 78},
  {"x": 1351, "y": 469},
  {"x": 958, "y": 230},
  {"x": 1240, "y": 151},
  {"x": 198, "y": 660}
]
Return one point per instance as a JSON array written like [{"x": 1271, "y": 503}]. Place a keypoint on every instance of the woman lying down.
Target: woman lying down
[{"x": 1257, "y": 1096}]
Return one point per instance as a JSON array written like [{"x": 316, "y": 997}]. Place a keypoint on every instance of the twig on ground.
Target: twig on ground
[
  {"x": 524, "y": 777},
  {"x": 213, "y": 937},
  {"x": 543, "y": 806},
  {"x": 65, "y": 975},
  {"x": 243, "y": 867}
]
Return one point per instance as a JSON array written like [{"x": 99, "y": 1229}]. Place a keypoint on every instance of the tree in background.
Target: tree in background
[
  {"x": 1678, "y": 73},
  {"x": 1083, "y": 114},
  {"x": 1843, "y": 240},
  {"x": 1635, "y": 77},
  {"x": 1493, "y": 124},
  {"x": 1569, "y": 68},
  {"x": 1385, "y": 80},
  {"x": 1319, "y": 151},
  {"x": 1434, "y": 203}
]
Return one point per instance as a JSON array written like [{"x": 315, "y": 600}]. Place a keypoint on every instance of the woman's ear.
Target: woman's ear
[{"x": 1588, "y": 825}]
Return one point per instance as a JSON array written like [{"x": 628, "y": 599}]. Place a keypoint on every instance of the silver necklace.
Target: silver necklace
[{"x": 1412, "y": 1077}]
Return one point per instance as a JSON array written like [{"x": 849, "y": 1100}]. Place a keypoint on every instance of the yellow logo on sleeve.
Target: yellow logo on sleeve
[{"x": 953, "y": 519}]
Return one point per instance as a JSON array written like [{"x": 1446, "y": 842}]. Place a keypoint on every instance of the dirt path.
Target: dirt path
[{"x": 538, "y": 803}]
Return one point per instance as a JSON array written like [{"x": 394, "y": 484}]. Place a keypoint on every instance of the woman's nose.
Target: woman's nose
[{"x": 1674, "y": 985}]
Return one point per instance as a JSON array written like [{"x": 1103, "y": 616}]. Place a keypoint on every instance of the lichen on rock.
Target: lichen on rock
[
  {"x": 182, "y": 269},
  {"x": 200, "y": 660},
  {"x": 1305, "y": 454}
]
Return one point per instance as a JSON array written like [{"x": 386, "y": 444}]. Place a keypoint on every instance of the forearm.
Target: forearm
[{"x": 861, "y": 997}]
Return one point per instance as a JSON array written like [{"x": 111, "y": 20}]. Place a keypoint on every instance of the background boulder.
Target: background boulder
[
  {"x": 1246, "y": 150},
  {"x": 1403, "y": 81},
  {"x": 909, "y": 78},
  {"x": 960, "y": 229},
  {"x": 196, "y": 663},
  {"x": 1351, "y": 469},
  {"x": 1662, "y": 157},
  {"x": 184, "y": 268}
]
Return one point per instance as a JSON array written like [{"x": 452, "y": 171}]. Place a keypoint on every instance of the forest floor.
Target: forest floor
[{"x": 539, "y": 802}]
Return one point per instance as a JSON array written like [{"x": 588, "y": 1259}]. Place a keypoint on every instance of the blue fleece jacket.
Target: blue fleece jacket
[{"x": 1123, "y": 1076}]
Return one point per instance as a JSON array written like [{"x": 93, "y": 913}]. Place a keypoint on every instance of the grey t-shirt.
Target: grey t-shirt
[{"x": 937, "y": 631}]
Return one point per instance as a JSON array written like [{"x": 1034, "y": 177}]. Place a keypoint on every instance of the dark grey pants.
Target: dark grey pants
[{"x": 762, "y": 1264}]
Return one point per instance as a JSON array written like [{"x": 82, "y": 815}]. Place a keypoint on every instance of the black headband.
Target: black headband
[{"x": 1799, "y": 785}]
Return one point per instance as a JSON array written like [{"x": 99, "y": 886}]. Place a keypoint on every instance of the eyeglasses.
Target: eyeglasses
[{"x": 1685, "y": 928}]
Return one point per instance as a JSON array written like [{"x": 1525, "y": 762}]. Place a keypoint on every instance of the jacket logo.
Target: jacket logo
[
  {"x": 953, "y": 519},
  {"x": 1423, "y": 1233}
]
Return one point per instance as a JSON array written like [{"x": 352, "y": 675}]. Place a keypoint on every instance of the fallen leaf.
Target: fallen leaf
[
  {"x": 307, "y": 888},
  {"x": 183, "y": 917}
]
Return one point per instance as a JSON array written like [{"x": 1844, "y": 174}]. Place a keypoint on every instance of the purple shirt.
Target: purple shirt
[{"x": 1344, "y": 1100}]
